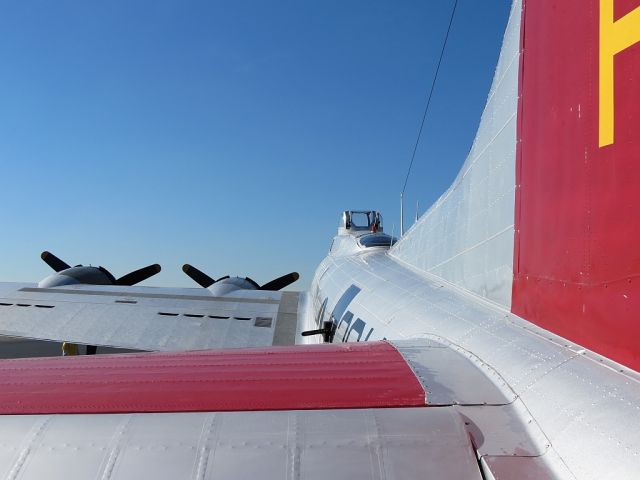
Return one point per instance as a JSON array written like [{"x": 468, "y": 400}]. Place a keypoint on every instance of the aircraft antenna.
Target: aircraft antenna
[
  {"x": 424, "y": 116},
  {"x": 402, "y": 212}
]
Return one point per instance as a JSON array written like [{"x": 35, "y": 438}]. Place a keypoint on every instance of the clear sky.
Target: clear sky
[{"x": 227, "y": 134}]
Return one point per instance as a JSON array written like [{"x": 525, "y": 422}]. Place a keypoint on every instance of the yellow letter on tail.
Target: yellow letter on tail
[{"x": 615, "y": 36}]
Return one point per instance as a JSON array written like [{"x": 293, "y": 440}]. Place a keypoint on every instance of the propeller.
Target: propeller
[
  {"x": 139, "y": 275},
  {"x": 281, "y": 282},
  {"x": 198, "y": 276},
  {"x": 206, "y": 281},
  {"x": 53, "y": 261},
  {"x": 129, "y": 279}
]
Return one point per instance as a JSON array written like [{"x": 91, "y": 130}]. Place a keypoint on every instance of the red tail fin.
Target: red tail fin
[{"x": 577, "y": 247}]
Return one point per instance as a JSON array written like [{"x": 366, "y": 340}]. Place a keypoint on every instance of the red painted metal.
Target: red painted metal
[
  {"x": 357, "y": 375},
  {"x": 577, "y": 251}
]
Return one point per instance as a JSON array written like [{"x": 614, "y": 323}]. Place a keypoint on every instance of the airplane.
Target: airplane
[{"x": 495, "y": 339}]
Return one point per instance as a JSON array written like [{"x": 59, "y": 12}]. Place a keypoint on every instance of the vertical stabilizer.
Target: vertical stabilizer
[
  {"x": 543, "y": 217},
  {"x": 577, "y": 255},
  {"x": 466, "y": 237}
]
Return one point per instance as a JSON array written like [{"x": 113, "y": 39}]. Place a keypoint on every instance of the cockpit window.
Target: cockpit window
[
  {"x": 377, "y": 240},
  {"x": 360, "y": 219}
]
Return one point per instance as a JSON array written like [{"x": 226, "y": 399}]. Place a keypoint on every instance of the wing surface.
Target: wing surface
[
  {"x": 276, "y": 413},
  {"x": 305, "y": 444},
  {"x": 147, "y": 318},
  {"x": 364, "y": 410}
]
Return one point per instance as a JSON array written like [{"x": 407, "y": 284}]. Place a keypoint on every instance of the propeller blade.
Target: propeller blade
[
  {"x": 139, "y": 275},
  {"x": 281, "y": 282},
  {"x": 53, "y": 261},
  {"x": 198, "y": 276}
]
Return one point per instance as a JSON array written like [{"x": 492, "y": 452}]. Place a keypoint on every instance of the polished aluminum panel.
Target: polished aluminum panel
[
  {"x": 146, "y": 318},
  {"x": 593, "y": 424},
  {"x": 450, "y": 377},
  {"x": 392, "y": 444},
  {"x": 546, "y": 467},
  {"x": 466, "y": 237},
  {"x": 585, "y": 409},
  {"x": 504, "y": 430},
  {"x": 287, "y": 319}
]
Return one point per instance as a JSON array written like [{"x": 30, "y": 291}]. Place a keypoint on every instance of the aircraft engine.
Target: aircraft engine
[
  {"x": 80, "y": 274},
  {"x": 228, "y": 284}
]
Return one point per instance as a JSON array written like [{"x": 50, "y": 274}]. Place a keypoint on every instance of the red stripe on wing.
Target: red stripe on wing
[{"x": 357, "y": 375}]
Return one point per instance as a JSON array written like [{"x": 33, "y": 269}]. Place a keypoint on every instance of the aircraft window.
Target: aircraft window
[
  {"x": 359, "y": 220},
  {"x": 377, "y": 240}
]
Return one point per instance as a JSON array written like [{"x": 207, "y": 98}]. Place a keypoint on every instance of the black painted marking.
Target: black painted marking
[
  {"x": 320, "y": 316},
  {"x": 341, "y": 307},
  {"x": 368, "y": 335},
  {"x": 345, "y": 322},
  {"x": 358, "y": 326},
  {"x": 344, "y": 301}
]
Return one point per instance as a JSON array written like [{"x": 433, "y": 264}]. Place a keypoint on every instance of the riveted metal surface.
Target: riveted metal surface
[
  {"x": 282, "y": 378},
  {"x": 546, "y": 467},
  {"x": 576, "y": 257},
  {"x": 145, "y": 318},
  {"x": 87, "y": 292},
  {"x": 451, "y": 378},
  {"x": 599, "y": 414},
  {"x": 384, "y": 444},
  {"x": 287, "y": 319},
  {"x": 572, "y": 399},
  {"x": 466, "y": 237},
  {"x": 504, "y": 430}
]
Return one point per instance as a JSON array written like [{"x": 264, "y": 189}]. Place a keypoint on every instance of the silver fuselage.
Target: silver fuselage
[{"x": 585, "y": 406}]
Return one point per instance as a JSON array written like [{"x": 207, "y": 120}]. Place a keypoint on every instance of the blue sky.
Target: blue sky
[{"x": 226, "y": 134}]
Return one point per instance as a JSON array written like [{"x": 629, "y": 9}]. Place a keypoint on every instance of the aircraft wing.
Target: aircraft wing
[
  {"x": 413, "y": 409},
  {"x": 148, "y": 318}
]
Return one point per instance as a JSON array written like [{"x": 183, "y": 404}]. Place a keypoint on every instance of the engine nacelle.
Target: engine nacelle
[{"x": 78, "y": 275}]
